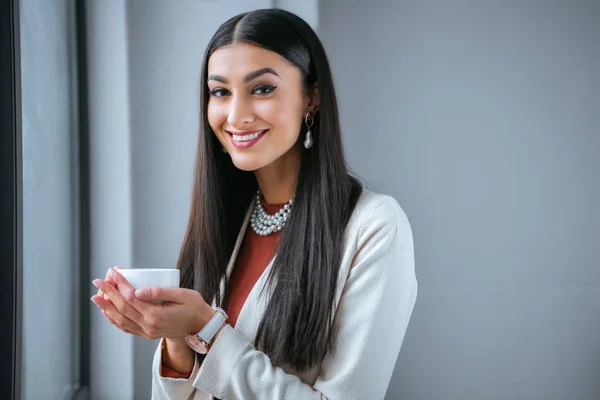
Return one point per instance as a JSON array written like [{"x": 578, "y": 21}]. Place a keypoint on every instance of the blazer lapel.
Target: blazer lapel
[{"x": 236, "y": 249}]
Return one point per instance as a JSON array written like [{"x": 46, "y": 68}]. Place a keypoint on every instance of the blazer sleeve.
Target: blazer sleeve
[
  {"x": 165, "y": 388},
  {"x": 369, "y": 327}
]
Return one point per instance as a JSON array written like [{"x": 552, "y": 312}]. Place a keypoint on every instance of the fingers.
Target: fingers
[
  {"x": 120, "y": 280},
  {"x": 128, "y": 291},
  {"x": 118, "y": 301},
  {"x": 160, "y": 294},
  {"x": 116, "y": 313},
  {"x": 108, "y": 280},
  {"x": 117, "y": 319},
  {"x": 115, "y": 324}
]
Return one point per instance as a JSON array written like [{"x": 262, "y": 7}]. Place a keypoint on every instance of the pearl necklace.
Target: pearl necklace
[{"x": 264, "y": 224}]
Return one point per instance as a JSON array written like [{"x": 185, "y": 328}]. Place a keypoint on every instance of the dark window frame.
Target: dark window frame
[
  {"x": 11, "y": 201},
  {"x": 83, "y": 184}
]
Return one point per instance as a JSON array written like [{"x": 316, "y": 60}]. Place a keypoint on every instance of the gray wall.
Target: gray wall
[
  {"x": 49, "y": 368},
  {"x": 482, "y": 119},
  {"x": 110, "y": 188}
]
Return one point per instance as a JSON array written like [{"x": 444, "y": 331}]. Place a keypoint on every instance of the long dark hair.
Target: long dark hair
[{"x": 296, "y": 326}]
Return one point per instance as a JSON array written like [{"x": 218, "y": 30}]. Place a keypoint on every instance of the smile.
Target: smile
[{"x": 243, "y": 140}]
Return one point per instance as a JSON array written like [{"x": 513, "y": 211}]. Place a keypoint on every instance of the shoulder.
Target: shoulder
[
  {"x": 377, "y": 212},
  {"x": 378, "y": 245}
]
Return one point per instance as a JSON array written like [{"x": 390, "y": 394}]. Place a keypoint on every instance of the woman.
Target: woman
[{"x": 315, "y": 275}]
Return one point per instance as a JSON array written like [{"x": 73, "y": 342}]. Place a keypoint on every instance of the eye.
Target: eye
[
  {"x": 264, "y": 89},
  {"x": 219, "y": 92}
]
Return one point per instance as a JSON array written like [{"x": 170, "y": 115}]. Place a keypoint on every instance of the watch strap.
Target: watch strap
[{"x": 212, "y": 327}]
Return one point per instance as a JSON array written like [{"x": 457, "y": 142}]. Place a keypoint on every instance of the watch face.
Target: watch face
[
  {"x": 195, "y": 344},
  {"x": 202, "y": 349}
]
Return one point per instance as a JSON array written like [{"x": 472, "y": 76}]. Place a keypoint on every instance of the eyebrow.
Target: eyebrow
[{"x": 251, "y": 76}]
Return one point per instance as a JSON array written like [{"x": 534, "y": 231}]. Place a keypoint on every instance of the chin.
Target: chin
[{"x": 247, "y": 163}]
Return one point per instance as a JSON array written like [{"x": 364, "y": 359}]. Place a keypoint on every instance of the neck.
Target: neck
[{"x": 279, "y": 179}]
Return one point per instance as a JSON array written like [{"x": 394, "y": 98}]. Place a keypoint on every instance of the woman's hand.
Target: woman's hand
[{"x": 180, "y": 312}]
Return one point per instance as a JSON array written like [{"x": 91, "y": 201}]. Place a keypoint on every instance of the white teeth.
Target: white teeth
[{"x": 245, "y": 138}]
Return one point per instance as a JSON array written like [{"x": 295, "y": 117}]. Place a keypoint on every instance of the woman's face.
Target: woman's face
[{"x": 256, "y": 106}]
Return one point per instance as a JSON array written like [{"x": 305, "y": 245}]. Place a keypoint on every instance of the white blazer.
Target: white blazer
[{"x": 375, "y": 296}]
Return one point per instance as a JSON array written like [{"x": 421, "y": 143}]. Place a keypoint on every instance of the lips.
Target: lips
[{"x": 246, "y": 139}]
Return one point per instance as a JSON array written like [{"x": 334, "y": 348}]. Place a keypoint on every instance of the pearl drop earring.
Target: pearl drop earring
[{"x": 309, "y": 121}]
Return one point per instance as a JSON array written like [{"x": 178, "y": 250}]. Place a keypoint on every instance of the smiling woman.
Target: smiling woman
[{"x": 295, "y": 281}]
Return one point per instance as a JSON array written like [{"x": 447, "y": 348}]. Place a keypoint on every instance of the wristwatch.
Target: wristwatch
[{"x": 200, "y": 342}]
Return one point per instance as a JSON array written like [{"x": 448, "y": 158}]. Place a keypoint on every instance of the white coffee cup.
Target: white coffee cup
[{"x": 147, "y": 277}]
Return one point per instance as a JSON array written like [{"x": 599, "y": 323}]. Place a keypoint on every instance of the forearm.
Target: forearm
[
  {"x": 234, "y": 369},
  {"x": 177, "y": 355}
]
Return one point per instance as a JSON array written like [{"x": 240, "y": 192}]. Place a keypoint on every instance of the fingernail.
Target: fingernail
[
  {"x": 96, "y": 282},
  {"x": 111, "y": 273},
  {"x": 142, "y": 293},
  {"x": 95, "y": 301}
]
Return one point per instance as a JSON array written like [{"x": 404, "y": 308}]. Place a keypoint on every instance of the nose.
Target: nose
[{"x": 240, "y": 112}]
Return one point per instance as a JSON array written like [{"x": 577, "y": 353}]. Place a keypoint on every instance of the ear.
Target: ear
[{"x": 314, "y": 99}]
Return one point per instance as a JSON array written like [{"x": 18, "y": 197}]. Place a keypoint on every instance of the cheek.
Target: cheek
[
  {"x": 283, "y": 116},
  {"x": 216, "y": 116}
]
